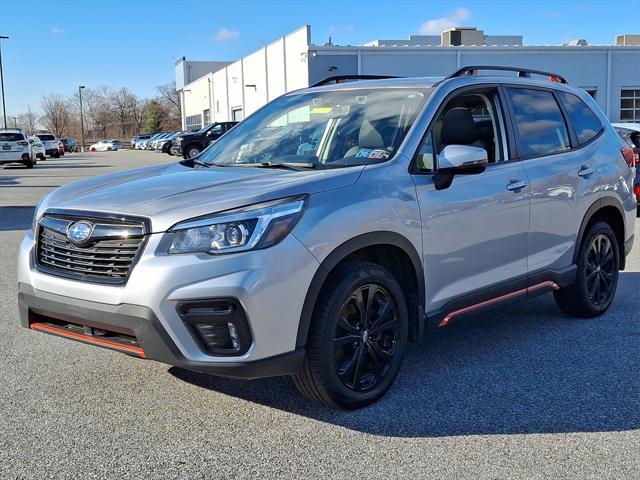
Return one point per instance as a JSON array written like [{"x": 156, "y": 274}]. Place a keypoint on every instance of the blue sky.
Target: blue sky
[{"x": 57, "y": 45}]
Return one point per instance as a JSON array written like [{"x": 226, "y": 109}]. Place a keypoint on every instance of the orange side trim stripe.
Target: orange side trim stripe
[
  {"x": 83, "y": 338},
  {"x": 492, "y": 301}
]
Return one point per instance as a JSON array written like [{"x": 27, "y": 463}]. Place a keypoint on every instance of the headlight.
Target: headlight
[{"x": 248, "y": 228}]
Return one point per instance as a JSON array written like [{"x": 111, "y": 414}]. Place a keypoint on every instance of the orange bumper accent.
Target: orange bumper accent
[{"x": 131, "y": 350}]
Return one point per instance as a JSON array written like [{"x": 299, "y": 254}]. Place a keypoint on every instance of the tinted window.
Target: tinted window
[
  {"x": 584, "y": 121},
  {"x": 539, "y": 122},
  {"x": 11, "y": 137},
  {"x": 46, "y": 137}
]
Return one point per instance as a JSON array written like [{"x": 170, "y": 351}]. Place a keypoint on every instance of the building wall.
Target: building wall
[
  {"x": 292, "y": 62},
  {"x": 247, "y": 84},
  {"x": 607, "y": 70}
]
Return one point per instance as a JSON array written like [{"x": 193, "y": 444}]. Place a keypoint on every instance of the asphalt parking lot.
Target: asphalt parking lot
[{"x": 519, "y": 392}]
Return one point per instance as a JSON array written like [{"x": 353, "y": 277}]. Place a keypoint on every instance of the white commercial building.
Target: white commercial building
[{"x": 223, "y": 91}]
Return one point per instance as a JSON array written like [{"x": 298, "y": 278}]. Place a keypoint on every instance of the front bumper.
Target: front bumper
[
  {"x": 151, "y": 335},
  {"x": 269, "y": 284}
]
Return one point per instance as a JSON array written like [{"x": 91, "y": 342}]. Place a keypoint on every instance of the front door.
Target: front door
[{"x": 475, "y": 231}]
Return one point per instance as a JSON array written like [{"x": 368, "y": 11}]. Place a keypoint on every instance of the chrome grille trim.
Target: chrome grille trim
[{"x": 107, "y": 257}]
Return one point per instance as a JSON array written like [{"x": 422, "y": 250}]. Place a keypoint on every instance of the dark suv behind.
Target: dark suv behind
[
  {"x": 70, "y": 145},
  {"x": 191, "y": 144}
]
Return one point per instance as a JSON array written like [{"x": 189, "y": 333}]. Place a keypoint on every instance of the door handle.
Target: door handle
[
  {"x": 516, "y": 185},
  {"x": 585, "y": 171}
]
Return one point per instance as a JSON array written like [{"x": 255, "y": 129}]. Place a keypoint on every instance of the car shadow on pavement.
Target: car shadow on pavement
[
  {"x": 525, "y": 368},
  {"x": 16, "y": 218}
]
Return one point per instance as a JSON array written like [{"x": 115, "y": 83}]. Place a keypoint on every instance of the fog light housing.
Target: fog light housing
[{"x": 219, "y": 326}]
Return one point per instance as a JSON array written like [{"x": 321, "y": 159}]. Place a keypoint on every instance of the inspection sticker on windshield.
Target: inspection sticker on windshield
[
  {"x": 321, "y": 109},
  {"x": 378, "y": 154}
]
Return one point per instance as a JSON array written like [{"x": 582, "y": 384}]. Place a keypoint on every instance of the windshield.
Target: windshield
[{"x": 323, "y": 129}]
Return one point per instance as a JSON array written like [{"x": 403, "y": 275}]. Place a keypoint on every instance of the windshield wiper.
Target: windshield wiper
[
  {"x": 285, "y": 165},
  {"x": 198, "y": 162}
]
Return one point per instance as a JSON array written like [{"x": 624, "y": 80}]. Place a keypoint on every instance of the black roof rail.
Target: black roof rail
[
  {"x": 522, "y": 72},
  {"x": 339, "y": 78}
]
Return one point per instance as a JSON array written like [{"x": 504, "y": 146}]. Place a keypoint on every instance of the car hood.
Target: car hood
[{"x": 168, "y": 194}]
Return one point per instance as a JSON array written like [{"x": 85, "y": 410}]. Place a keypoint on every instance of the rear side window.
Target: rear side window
[
  {"x": 539, "y": 122},
  {"x": 584, "y": 121},
  {"x": 11, "y": 137}
]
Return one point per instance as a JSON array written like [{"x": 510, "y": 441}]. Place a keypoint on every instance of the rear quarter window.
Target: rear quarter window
[{"x": 585, "y": 123}]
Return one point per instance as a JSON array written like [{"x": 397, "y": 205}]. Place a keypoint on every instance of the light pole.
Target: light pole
[
  {"x": 15, "y": 122},
  {"x": 81, "y": 120},
  {"x": 4, "y": 104}
]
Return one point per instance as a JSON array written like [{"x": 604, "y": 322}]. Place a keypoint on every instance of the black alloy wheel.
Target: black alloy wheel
[
  {"x": 598, "y": 265},
  {"x": 365, "y": 339},
  {"x": 600, "y": 269},
  {"x": 357, "y": 337}
]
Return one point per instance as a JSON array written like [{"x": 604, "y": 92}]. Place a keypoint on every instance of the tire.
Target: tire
[
  {"x": 192, "y": 151},
  {"x": 359, "y": 369},
  {"x": 30, "y": 163},
  {"x": 56, "y": 155},
  {"x": 597, "y": 276},
  {"x": 109, "y": 149}
]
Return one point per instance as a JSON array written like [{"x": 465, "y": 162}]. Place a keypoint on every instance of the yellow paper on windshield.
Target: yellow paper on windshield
[{"x": 321, "y": 109}]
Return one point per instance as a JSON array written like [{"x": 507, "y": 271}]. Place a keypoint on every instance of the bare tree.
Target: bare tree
[
  {"x": 139, "y": 113},
  {"x": 28, "y": 121},
  {"x": 122, "y": 102},
  {"x": 56, "y": 113},
  {"x": 169, "y": 95}
]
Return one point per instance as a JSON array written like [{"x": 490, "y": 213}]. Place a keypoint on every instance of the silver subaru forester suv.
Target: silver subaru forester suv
[{"x": 337, "y": 223}]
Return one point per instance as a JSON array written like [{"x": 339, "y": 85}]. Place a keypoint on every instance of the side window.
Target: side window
[
  {"x": 539, "y": 122},
  {"x": 425, "y": 159},
  {"x": 584, "y": 121},
  {"x": 473, "y": 119}
]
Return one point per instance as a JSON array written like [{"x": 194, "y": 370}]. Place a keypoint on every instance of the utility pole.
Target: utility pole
[
  {"x": 4, "y": 104},
  {"x": 81, "y": 120},
  {"x": 15, "y": 122}
]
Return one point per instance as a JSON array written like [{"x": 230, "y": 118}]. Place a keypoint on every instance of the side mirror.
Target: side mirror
[
  {"x": 458, "y": 159},
  {"x": 462, "y": 156}
]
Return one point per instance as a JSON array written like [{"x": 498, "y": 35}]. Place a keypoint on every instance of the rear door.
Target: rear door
[{"x": 560, "y": 176}]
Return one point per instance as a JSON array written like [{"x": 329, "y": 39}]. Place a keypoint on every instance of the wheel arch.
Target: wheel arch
[
  {"x": 369, "y": 246},
  {"x": 608, "y": 209}
]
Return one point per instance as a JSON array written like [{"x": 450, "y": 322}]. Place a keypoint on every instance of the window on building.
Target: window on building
[
  {"x": 585, "y": 123},
  {"x": 206, "y": 114},
  {"x": 193, "y": 122},
  {"x": 237, "y": 115},
  {"x": 630, "y": 105},
  {"x": 591, "y": 91},
  {"x": 539, "y": 122}
]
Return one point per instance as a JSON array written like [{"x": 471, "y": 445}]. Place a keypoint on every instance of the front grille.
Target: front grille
[{"x": 107, "y": 256}]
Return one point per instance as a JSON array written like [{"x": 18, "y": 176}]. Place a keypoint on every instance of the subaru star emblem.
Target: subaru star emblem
[{"x": 79, "y": 232}]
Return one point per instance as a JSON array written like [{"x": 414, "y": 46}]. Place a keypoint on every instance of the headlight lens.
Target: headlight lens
[{"x": 249, "y": 228}]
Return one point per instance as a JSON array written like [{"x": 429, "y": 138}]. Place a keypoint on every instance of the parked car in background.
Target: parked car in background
[
  {"x": 15, "y": 147},
  {"x": 105, "y": 146},
  {"x": 153, "y": 145},
  {"x": 630, "y": 134},
  {"x": 422, "y": 201},
  {"x": 143, "y": 144},
  {"x": 117, "y": 144},
  {"x": 190, "y": 144},
  {"x": 51, "y": 144},
  {"x": 138, "y": 138},
  {"x": 37, "y": 148},
  {"x": 165, "y": 145},
  {"x": 70, "y": 145}
]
